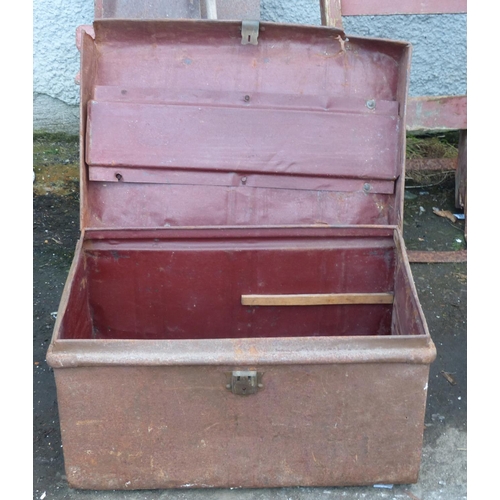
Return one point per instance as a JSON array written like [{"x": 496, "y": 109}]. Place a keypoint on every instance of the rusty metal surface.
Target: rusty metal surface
[
  {"x": 320, "y": 417},
  {"x": 88, "y": 58},
  {"x": 433, "y": 256},
  {"x": 151, "y": 320},
  {"x": 179, "y": 427},
  {"x": 436, "y": 113},
  {"x": 407, "y": 314},
  {"x": 461, "y": 173},
  {"x": 398, "y": 348}
]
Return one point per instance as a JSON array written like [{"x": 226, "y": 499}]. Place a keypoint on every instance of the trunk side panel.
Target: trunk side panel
[{"x": 165, "y": 427}]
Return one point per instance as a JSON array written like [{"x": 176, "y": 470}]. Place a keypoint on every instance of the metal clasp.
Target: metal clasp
[
  {"x": 244, "y": 383},
  {"x": 249, "y": 32}
]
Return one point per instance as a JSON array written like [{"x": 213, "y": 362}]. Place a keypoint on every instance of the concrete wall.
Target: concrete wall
[{"x": 438, "y": 65}]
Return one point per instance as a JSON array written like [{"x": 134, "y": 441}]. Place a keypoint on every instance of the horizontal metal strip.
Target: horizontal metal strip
[
  {"x": 368, "y": 234},
  {"x": 243, "y": 140},
  {"x": 414, "y": 349},
  {"x": 132, "y": 205},
  {"x": 176, "y": 177},
  {"x": 317, "y": 299},
  {"x": 107, "y": 248},
  {"x": 310, "y": 102}
]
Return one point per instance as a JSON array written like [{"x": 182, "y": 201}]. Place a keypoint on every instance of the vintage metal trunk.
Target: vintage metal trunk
[{"x": 240, "y": 311}]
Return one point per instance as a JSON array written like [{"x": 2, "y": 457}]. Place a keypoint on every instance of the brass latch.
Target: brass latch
[{"x": 244, "y": 383}]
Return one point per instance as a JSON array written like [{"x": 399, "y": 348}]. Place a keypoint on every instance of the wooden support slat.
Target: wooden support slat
[
  {"x": 461, "y": 173},
  {"x": 461, "y": 176},
  {"x": 317, "y": 299},
  {"x": 211, "y": 9},
  {"x": 388, "y": 7}
]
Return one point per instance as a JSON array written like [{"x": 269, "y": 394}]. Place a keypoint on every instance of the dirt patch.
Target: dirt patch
[
  {"x": 423, "y": 229},
  {"x": 55, "y": 164}
]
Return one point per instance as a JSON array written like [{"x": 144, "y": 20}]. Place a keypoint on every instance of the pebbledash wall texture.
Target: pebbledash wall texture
[{"x": 439, "y": 64}]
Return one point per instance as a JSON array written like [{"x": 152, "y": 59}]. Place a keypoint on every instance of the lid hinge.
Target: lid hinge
[{"x": 249, "y": 32}]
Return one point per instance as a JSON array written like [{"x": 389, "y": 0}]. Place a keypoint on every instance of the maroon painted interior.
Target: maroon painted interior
[
  {"x": 191, "y": 287},
  {"x": 182, "y": 125},
  {"x": 187, "y": 126}
]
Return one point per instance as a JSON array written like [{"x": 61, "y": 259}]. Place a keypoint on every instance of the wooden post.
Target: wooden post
[
  {"x": 211, "y": 9},
  {"x": 461, "y": 176},
  {"x": 331, "y": 13}
]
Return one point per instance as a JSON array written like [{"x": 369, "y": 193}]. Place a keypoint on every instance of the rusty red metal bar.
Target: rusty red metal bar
[
  {"x": 333, "y": 10},
  {"x": 461, "y": 174},
  {"x": 436, "y": 113},
  {"x": 418, "y": 256}
]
